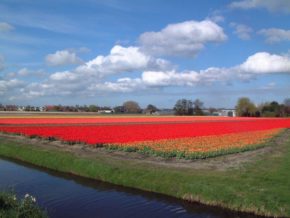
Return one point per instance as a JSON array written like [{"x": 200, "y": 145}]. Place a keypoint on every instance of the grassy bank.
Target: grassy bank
[{"x": 261, "y": 187}]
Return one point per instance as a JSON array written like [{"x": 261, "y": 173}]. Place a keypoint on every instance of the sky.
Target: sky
[{"x": 105, "y": 52}]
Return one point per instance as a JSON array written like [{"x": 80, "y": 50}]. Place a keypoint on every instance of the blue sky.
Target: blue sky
[{"x": 105, "y": 52}]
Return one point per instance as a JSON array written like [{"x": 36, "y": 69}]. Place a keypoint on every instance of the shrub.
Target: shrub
[{"x": 11, "y": 207}]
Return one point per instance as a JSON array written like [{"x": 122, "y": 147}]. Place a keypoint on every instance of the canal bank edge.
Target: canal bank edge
[{"x": 259, "y": 187}]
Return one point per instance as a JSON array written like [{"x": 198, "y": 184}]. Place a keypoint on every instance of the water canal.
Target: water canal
[{"x": 63, "y": 195}]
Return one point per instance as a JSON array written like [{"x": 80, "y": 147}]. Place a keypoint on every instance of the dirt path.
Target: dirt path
[{"x": 221, "y": 163}]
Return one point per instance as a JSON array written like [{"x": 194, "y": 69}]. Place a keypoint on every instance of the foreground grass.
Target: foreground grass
[{"x": 261, "y": 187}]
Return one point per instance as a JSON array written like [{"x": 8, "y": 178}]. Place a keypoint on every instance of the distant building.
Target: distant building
[
  {"x": 106, "y": 111},
  {"x": 20, "y": 108},
  {"x": 225, "y": 113},
  {"x": 228, "y": 113},
  {"x": 155, "y": 113}
]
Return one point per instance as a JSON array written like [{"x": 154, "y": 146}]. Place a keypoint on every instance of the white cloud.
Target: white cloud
[
  {"x": 5, "y": 27},
  {"x": 55, "y": 87},
  {"x": 159, "y": 79},
  {"x": 121, "y": 59},
  {"x": 121, "y": 85},
  {"x": 274, "y": 35},
  {"x": 149, "y": 80},
  {"x": 65, "y": 76},
  {"x": 182, "y": 39},
  {"x": 63, "y": 57},
  {"x": 242, "y": 31},
  {"x": 257, "y": 64},
  {"x": 88, "y": 78},
  {"x": 264, "y": 63},
  {"x": 24, "y": 72},
  {"x": 271, "y": 5},
  {"x": 168, "y": 78},
  {"x": 9, "y": 86},
  {"x": 75, "y": 83}
]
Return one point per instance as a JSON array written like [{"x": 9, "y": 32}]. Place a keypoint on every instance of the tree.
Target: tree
[
  {"x": 183, "y": 107},
  {"x": 93, "y": 108},
  {"x": 28, "y": 108},
  {"x": 151, "y": 109},
  {"x": 57, "y": 107},
  {"x": 197, "y": 110},
  {"x": 245, "y": 108},
  {"x": 287, "y": 107},
  {"x": 273, "y": 109},
  {"x": 287, "y": 102},
  {"x": 119, "y": 109},
  {"x": 131, "y": 107},
  {"x": 85, "y": 108}
]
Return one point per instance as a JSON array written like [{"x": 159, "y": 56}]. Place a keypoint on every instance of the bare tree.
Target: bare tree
[
  {"x": 183, "y": 107},
  {"x": 198, "y": 104}
]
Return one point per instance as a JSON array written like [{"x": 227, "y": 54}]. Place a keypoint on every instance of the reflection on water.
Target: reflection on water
[{"x": 64, "y": 195}]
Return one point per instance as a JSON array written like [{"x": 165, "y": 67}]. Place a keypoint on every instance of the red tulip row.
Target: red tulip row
[{"x": 134, "y": 133}]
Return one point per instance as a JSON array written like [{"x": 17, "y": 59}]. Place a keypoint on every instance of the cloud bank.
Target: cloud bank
[{"x": 89, "y": 83}]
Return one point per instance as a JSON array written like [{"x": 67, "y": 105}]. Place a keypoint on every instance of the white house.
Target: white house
[{"x": 228, "y": 112}]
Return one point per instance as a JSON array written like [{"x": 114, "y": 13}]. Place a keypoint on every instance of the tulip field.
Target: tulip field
[{"x": 176, "y": 136}]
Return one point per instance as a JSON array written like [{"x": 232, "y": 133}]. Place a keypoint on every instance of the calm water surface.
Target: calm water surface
[{"x": 63, "y": 195}]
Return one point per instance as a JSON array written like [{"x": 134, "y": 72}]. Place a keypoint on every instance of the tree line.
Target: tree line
[
  {"x": 246, "y": 108},
  {"x": 128, "y": 107}
]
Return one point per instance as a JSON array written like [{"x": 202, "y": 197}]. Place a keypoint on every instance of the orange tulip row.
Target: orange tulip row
[{"x": 204, "y": 143}]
